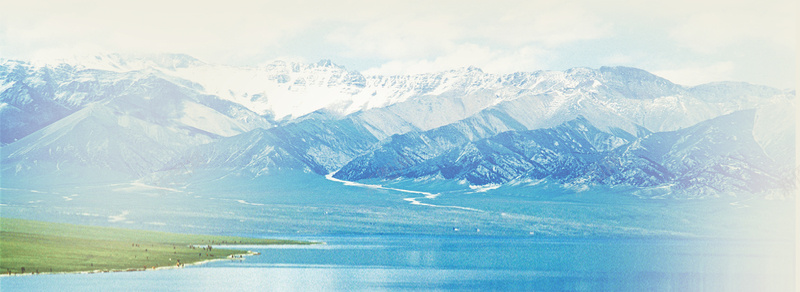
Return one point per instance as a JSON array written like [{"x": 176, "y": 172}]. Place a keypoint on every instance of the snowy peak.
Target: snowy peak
[
  {"x": 638, "y": 84},
  {"x": 280, "y": 89},
  {"x": 286, "y": 90},
  {"x": 133, "y": 62}
]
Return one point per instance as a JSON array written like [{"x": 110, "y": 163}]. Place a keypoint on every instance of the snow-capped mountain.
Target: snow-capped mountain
[
  {"x": 319, "y": 146},
  {"x": 495, "y": 160},
  {"x": 715, "y": 156},
  {"x": 35, "y": 96},
  {"x": 131, "y": 123},
  {"x": 285, "y": 90},
  {"x": 172, "y": 114}
]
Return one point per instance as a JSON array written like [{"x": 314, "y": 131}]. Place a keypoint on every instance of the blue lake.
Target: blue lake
[
  {"x": 403, "y": 262},
  {"x": 390, "y": 238}
]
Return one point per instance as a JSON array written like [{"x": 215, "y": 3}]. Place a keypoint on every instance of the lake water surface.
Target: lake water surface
[
  {"x": 400, "y": 238},
  {"x": 405, "y": 262}
]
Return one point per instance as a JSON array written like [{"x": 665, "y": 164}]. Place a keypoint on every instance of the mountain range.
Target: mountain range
[{"x": 166, "y": 117}]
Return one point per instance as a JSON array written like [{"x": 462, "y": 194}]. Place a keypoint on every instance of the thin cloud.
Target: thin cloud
[
  {"x": 696, "y": 75},
  {"x": 415, "y": 36},
  {"x": 713, "y": 31},
  {"x": 466, "y": 55},
  {"x": 421, "y": 32}
]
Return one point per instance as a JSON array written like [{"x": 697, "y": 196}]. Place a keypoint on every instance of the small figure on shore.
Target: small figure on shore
[{"x": 22, "y": 270}]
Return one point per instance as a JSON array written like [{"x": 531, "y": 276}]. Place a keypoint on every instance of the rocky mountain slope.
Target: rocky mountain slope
[{"x": 146, "y": 116}]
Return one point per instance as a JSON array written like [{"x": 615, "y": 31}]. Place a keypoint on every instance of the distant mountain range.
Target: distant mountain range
[{"x": 167, "y": 116}]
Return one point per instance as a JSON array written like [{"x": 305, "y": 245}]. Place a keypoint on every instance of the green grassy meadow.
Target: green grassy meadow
[{"x": 55, "y": 247}]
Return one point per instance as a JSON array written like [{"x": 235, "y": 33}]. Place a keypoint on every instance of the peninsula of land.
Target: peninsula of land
[{"x": 35, "y": 247}]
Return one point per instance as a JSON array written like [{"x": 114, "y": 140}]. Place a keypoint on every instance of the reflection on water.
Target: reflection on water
[{"x": 468, "y": 263}]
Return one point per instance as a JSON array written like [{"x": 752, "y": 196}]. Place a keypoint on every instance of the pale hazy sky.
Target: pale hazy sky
[{"x": 687, "y": 41}]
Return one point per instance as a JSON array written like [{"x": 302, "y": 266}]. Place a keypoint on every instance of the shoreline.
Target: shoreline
[
  {"x": 54, "y": 248},
  {"x": 230, "y": 258}
]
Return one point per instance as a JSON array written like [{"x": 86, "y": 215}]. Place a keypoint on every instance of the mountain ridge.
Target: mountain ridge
[{"x": 449, "y": 124}]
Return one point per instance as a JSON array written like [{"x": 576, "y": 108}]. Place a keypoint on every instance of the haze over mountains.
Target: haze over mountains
[{"x": 164, "y": 118}]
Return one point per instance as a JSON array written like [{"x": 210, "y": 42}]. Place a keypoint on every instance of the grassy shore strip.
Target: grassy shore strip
[{"x": 44, "y": 247}]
